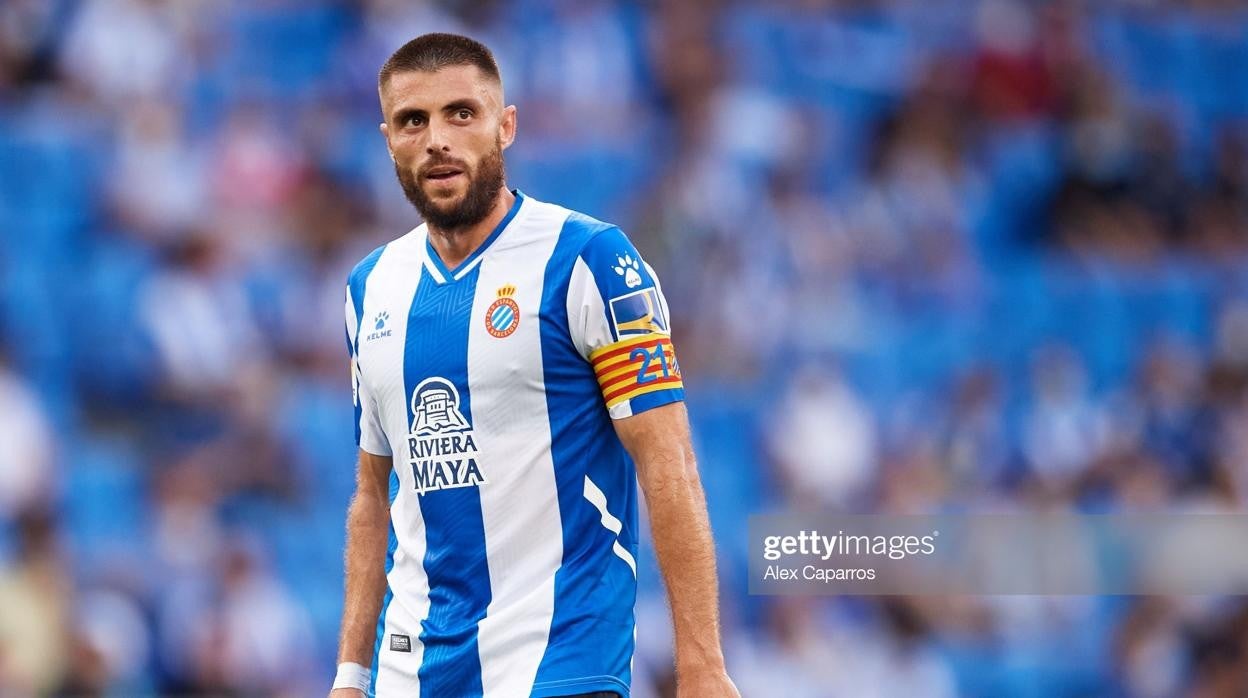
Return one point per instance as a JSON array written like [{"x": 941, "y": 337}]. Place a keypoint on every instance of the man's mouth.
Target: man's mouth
[{"x": 442, "y": 173}]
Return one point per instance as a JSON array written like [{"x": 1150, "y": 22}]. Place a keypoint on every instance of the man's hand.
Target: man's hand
[{"x": 659, "y": 442}]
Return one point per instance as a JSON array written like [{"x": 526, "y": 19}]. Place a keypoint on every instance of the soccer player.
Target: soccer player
[{"x": 514, "y": 378}]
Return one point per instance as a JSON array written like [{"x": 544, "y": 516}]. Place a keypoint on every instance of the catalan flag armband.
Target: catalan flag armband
[{"x": 636, "y": 366}]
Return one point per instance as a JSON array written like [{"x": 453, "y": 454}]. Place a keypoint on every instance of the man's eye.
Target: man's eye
[
  {"x": 464, "y": 114},
  {"x": 414, "y": 121}
]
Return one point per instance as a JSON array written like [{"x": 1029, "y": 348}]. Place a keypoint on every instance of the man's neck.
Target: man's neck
[{"x": 456, "y": 245}]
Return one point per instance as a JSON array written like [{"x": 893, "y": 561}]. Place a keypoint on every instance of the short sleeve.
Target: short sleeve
[
  {"x": 618, "y": 319},
  {"x": 369, "y": 434}
]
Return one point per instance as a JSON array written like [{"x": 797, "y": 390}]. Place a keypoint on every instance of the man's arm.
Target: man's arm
[
  {"x": 368, "y": 532},
  {"x": 659, "y": 442}
]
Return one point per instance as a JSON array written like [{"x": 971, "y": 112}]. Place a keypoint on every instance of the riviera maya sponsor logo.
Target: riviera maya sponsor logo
[
  {"x": 503, "y": 316},
  {"x": 441, "y": 447}
]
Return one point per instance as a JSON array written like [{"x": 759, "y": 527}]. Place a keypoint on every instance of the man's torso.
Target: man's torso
[{"x": 513, "y": 503}]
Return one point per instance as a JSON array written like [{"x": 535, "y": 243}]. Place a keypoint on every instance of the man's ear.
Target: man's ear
[
  {"x": 385, "y": 132},
  {"x": 507, "y": 128}
]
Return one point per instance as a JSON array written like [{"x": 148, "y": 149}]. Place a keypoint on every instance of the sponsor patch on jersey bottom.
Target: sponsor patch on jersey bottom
[{"x": 400, "y": 643}]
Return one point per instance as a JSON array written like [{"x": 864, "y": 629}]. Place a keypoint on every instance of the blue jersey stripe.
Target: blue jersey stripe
[
  {"x": 357, "y": 282},
  {"x": 606, "y": 256},
  {"x": 594, "y": 589},
  {"x": 455, "y": 559},
  {"x": 641, "y": 403},
  {"x": 391, "y": 546}
]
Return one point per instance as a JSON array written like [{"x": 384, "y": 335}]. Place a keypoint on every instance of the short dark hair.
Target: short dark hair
[{"x": 431, "y": 52}]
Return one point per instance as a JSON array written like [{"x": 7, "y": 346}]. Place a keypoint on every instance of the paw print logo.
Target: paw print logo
[
  {"x": 381, "y": 320},
  {"x": 628, "y": 268}
]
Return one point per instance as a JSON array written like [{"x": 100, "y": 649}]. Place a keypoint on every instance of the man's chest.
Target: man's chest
[{"x": 480, "y": 335}]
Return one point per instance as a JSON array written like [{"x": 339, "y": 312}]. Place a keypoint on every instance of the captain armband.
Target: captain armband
[{"x": 635, "y": 366}]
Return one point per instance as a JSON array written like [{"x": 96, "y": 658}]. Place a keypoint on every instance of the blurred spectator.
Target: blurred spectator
[
  {"x": 822, "y": 440},
  {"x": 27, "y": 467},
  {"x": 109, "y": 644},
  {"x": 1151, "y": 650},
  {"x": 1063, "y": 430},
  {"x": 122, "y": 50},
  {"x": 158, "y": 187},
  {"x": 35, "y": 595},
  {"x": 1177, "y": 428},
  {"x": 198, "y": 316},
  {"x": 262, "y": 631},
  {"x": 977, "y": 450},
  {"x": 1011, "y": 76}
]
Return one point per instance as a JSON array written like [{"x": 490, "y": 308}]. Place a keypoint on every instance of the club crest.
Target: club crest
[{"x": 503, "y": 316}]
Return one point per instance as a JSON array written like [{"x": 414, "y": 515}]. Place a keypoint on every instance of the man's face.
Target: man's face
[{"x": 446, "y": 131}]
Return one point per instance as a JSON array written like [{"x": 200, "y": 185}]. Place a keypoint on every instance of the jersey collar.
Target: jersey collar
[{"x": 463, "y": 267}]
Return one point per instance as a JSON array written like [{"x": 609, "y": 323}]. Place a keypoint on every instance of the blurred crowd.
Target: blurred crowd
[{"x": 921, "y": 257}]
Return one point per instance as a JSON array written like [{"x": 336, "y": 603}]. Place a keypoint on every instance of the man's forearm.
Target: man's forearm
[
  {"x": 686, "y": 553},
  {"x": 367, "y": 537},
  {"x": 659, "y": 442}
]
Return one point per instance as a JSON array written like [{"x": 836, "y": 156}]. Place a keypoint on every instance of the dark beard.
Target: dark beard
[{"x": 483, "y": 188}]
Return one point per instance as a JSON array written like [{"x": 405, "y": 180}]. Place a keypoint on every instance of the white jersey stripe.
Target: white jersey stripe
[
  {"x": 612, "y": 524},
  {"x": 353, "y": 322},
  {"x": 391, "y": 286},
  {"x": 431, "y": 266},
  {"x": 509, "y": 404},
  {"x": 397, "y": 671},
  {"x": 467, "y": 268}
]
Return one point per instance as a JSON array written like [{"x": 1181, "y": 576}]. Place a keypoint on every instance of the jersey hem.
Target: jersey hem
[
  {"x": 374, "y": 449},
  {"x": 645, "y": 402},
  {"x": 587, "y": 684}
]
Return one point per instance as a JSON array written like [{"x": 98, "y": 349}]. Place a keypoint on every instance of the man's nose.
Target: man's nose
[{"x": 437, "y": 139}]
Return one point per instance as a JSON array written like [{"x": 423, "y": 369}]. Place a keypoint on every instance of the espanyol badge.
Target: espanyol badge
[{"x": 503, "y": 316}]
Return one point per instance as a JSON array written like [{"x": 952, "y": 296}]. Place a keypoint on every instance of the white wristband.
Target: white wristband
[{"x": 352, "y": 675}]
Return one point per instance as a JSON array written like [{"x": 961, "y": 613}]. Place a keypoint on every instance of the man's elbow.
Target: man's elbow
[
  {"x": 673, "y": 474},
  {"x": 368, "y": 506}
]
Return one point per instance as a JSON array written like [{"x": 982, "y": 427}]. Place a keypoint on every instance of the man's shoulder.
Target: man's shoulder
[
  {"x": 364, "y": 267},
  {"x": 575, "y": 228}
]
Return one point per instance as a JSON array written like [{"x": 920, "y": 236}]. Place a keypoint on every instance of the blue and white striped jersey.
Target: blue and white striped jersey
[{"x": 513, "y": 504}]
